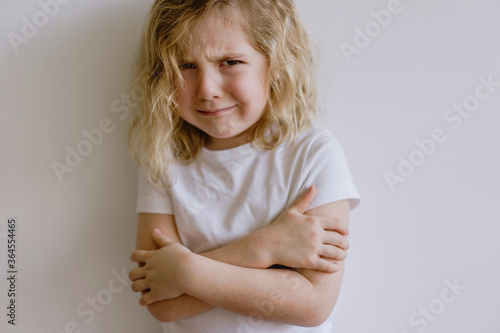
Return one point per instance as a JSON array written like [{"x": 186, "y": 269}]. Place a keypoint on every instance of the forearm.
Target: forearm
[
  {"x": 244, "y": 252},
  {"x": 255, "y": 251},
  {"x": 181, "y": 307},
  {"x": 271, "y": 294},
  {"x": 248, "y": 251}
]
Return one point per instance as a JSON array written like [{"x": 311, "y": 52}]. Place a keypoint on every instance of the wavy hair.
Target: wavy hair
[{"x": 159, "y": 136}]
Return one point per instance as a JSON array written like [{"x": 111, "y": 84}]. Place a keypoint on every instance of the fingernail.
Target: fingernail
[{"x": 157, "y": 231}]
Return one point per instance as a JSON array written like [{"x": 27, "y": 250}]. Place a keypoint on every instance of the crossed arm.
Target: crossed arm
[{"x": 177, "y": 284}]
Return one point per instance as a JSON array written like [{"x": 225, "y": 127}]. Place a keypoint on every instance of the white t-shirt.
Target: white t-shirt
[{"x": 223, "y": 195}]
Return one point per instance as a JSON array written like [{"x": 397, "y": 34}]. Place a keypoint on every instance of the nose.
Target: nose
[{"x": 209, "y": 85}]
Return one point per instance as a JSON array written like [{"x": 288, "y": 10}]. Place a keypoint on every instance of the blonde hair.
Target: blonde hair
[{"x": 159, "y": 136}]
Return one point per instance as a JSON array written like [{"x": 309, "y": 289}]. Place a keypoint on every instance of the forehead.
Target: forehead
[{"x": 214, "y": 36}]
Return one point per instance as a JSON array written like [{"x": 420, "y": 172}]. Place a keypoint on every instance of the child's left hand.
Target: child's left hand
[{"x": 161, "y": 271}]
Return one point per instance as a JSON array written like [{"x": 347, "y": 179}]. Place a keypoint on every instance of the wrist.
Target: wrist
[
  {"x": 186, "y": 271},
  {"x": 261, "y": 249}
]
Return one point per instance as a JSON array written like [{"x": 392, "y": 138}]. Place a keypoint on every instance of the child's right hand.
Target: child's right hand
[{"x": 302, "y": 241}]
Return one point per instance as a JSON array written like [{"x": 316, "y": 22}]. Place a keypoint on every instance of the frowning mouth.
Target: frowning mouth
[{"x": 215, "y": 112}]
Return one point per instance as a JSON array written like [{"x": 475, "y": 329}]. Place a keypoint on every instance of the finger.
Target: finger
[
  {"x": 147, "y": 299},
  {"x": 333, "y": 267},
  {"x": 332, "y": 252},
  {"x": 304, "y": 201},
  {"x": 140, "y": 285},
  {"x": 160, "y": 238},
  {"x": 322, "y": 264},
  {"x": 337, "y": 224},
  {"x": 136, "y": 274},
  {"x": 139, "y": 256},
  {"x": 329, "y": 266},
  {"x": 335, "y": 239}
]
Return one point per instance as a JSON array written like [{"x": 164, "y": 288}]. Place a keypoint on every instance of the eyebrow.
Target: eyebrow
[
  {"x": 218, "y": 57},
  {"x": 233, "y": 56}
]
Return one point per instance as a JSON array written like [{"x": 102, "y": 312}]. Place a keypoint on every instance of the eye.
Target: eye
[
  {"x": 187, "y": 66},
  {"x": 231, "y": 63}
]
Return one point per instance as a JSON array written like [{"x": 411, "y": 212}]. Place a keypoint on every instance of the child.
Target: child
[{"x": 243, "y": 205}]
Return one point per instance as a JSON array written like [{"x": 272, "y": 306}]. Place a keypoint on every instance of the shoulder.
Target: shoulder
[
  {"x": 313, "y": 141},
  {"x": 315, "y": 152},
  {"x": 316, "y": 135},
  {"x": 323, "y": 163}
]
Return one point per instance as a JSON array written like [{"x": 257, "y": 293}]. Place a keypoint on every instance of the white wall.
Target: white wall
[{"x": 438, "y": 224}]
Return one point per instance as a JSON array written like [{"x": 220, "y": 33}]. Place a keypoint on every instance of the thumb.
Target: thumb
[
  {"x": 160, "y": 239},
  {"x": 304, "y": 201}
]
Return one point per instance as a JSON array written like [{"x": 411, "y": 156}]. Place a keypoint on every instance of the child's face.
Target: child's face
[{"x": 226, "y": 84}]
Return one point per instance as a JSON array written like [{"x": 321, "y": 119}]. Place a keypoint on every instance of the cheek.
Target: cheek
[
  {"x": 184, "y": 107},
  {"x": 185, "y": 97},
  {"x": 251, "y": 91}
]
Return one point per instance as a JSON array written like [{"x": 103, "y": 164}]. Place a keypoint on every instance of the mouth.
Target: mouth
[{"x": 215, "y": 112}]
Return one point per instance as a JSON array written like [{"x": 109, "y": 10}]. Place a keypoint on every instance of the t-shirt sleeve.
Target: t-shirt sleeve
[
  {"x": 152, "y": 198},
  {"x": 325, "y": 166}
]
